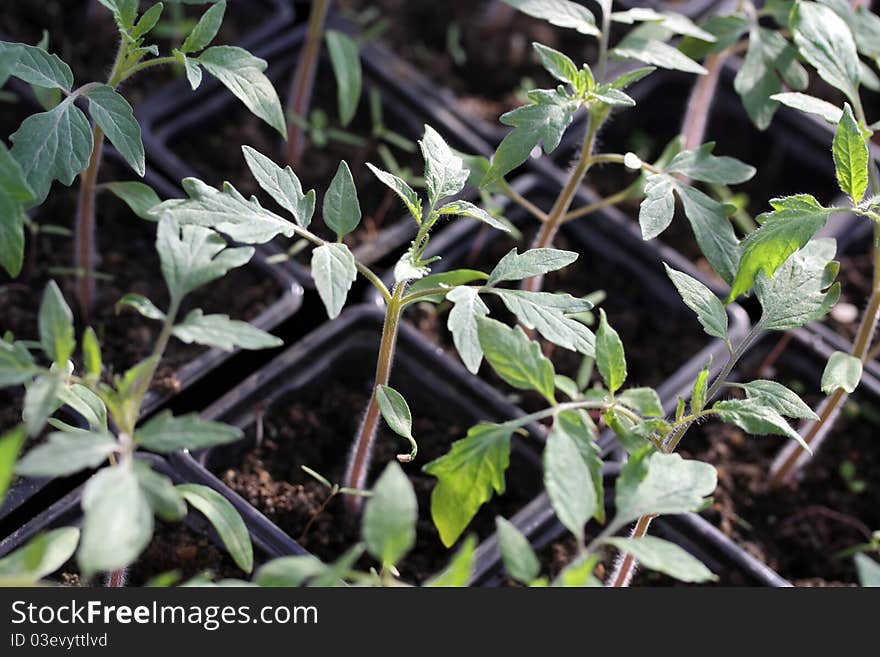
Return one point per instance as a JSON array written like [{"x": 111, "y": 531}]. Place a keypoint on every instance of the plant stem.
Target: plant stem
[
  {"x": 84, "y": 231},
  {"x": 696, "y": 119},
  {"x": 520, "y": 200},
  {"x": 608, "y": 201},
  {"x": 359, "y": 458},
  {"x": 300, "y": 95}
]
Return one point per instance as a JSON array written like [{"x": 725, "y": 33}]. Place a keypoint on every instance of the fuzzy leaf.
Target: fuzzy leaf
[
  {"x": 346, "y": 62},
  {"x": 467, "y": 308},
  {"x": 568, "y": 481},
  {"x": 868, "y": 570},
  {"x": 164, "y": 499},
  {"x": 757, "y": 418},
  {"x": 206, "y": 29},
  {"x": 333, "y": 270},
  {"x": 709, "y": 309},
  {"x": 16, "y": 364},
  {"x": 779, "y": 398},
  {"x": 658, "y": 209},
  {"x": 467, "y": 476},
  {"x": 225, "y": 519},
  {"x": 850, "y": 156},
  {"x": 390, "y": 515},
  {"x": 445, "y": 173},
  {"x": 15, "y": 195},
  {"x": 712, "y": 230},
  {"x": 342, "y": 211},
  {"x": 66, "y": 453},
  {"x": 141, "y": 305},
  {"x": 468, "y": 209},
  {"x": 282, "y": 185},
  {"x": 400, "y": 187},
  {"x": 515, "y": 358},
  {"x": 115, "y": 117},
  {"x": 561, "y": 13},
  {"x": 222, "y": 333},
  {"x": 519, "y": 560},
  {"x": 397, "y": 416},
  {"x": 42, "y": 555},
  {"x": 810, "y": 105},
  {"x": 664, "y": 557},
  {"x": 610, "y": 358},
  {"x": 166, "y": 433},
  {"x": 842, "y": 371},
  {"x": 556, "y": 63},
  {"x": 826, "y": 42},
  {"x": 547, "y": 313},
  {"x": 35, "y": 66},
  {"x": 56, "y": 326},
  {"x": 40, "y": 401},
  {"x": 140, "y": 198},
  {"x": 534, "y": 262},
  {"x": 656, "y": 53},
  {"x": 700, "y": 164}
]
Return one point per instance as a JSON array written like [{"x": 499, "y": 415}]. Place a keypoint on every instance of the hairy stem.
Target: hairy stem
[
  {"x": 84, "y": 228},
  {"x": 623, "y": 572},
  {"x": 361, "y": 451},
  {"x": 299, "y": 97}
]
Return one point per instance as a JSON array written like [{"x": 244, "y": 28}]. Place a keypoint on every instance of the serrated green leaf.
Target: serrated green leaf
[
  {"x": 709, "y": 309},
  {"x": 467, "y": 477},
  {"x": 53, "y": 145},
  {"x": 548, "y": 314},
  {"x": 519, "y": 560},
  {"x": 118, "y": 522},
  {"x": 842, "y": 371},
  {"x": 556, "y": 63},
  {"x": 664, "y": 557},
  {"x": 792, "y": 223},
  {"x": 534, "y": 262},
  {"x": 810, "y": 105},
  {"x": 568, "y": 481},
  {"x": 779, "y": 398},
  {"x": 192, "y": 256},
  {"x": 282, "y": 185},
  {"x": 220, "y": 332},
  {"x": 467, "y": 308},
  {"x": 826, "y": 42},
  {"x": 515, "y": 358},
  {"x": 206, "y": 29},
  {"x": 342, "y": 210},
  {"x": 166, "y": 433},
  {"x": 389, "y": 527},
  {"x": 115, "y": 117},
  {"x": 658, "y": 209},
  {"x": 35, "y": 66},
  {"x": 850, "y": 156},
  {"x": 66, "y": 453},
  {"x": 225, "y": 519},
  {"x": 242, "y": 74},
  {"x": 333, "y": 270},
  {"x": 468, "y": 209},
  {"x": 610, "y": 358},
  {"x": 701, "y": 164},
  {"x": 400, "y": 187},
  {"x": 757, "y": 418},
  {"x": 140, "y": 198},
  {"x": 445, "y": 173},
  {"x": 346, "y": 62},
  {"x": 561, "y": 13}
]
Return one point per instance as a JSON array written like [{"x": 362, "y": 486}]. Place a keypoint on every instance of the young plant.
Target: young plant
[
  {"x": 61, "y": 144},
  {"x": 334, "y": 268},
  {"x": 121, "y": 499}
]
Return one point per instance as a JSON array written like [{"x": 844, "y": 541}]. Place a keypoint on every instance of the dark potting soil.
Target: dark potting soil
[
  {"x": 126, "y": 245},
  {"x": 175, "y": 547},
  {"x": 656, "y": 343},
  {"x": 318, "y": 435},
  {"x": 798, "y": 531},
  {"x": 499, "y": 63},
  {"x": 84, "y": 35},
  {"x": 215, "y": 155}
]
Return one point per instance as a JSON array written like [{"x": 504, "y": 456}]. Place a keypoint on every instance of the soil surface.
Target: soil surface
[
  {"x": 490, "y": 64},
  {"x": 126, "y": 245},
  {"x": 318, "y": 435}
]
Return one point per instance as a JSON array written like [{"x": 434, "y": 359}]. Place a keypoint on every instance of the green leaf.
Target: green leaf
[
  {"x": 842, "y": 371},
  {"x": 468, "y": 209},
  {"x": 756, "y": 418},
  {"x": 676, "y": 23},
  {"x": 140, "y": 198},
  {"x": 543, "y": 121},
  {"x": 802, "y": 289},
  {"x": 444, "y": 279},
  {"x": 515, "y": 358},
  {"x": 42, "y": 555},
  {"x": 700, "y": 164},
  {"x": 225, "y": 211},
  {"x": 460, "y": 570},
  {"x": 193, "y": 71},
  {"x": 779, "y": 398},
  {"x": 520, "y": 561},
  {"x": 346, "y": 62},
  {"x": 656, "y": 53},
  {"x": 548, "y": 314},
  {"x": 223, "y": 333},
  {"x": 792, "y": 223},
  {"x": 631, "y": 77},
  {"x": 658, "y": 208},
  {"x": 289, "y": 571},
  {"x": 665, "y": 557},
  {"x": 400, "y": 187},
  {"x": 15, "y": 195},
  {"x": 334, "y": 270},
  {"x": 467, "y": 476},
  {"x": 610, "y": 358},
  {"x": 810, "y": 105},
  {"x": 645, "y": 401},
  {"x": 66, "y": 453},
  {"x": 35, "y": 66},
  {"x": 165, "y": 433},
  {"x": 709, "y": 309},
  {"x": 826, "y": 42},
  {"x": 868, "y": 570},
  {"x": 148, "y": 21},
  {"x": 40, "y": 400},
  {"x": 699, "y": 391},
  {"x": 769, "y": 61},
  {"x": 124, "y": 12},
  {"x": 467, "y": 308},
  {"x": 342, "y": 211},
  {"x": 397, "y": 415},
  {"x": 656, "y": 483},
  {"x": 242, "y": 74},
  {"x": 282, "y": 185},
  {"x": 16, "y": 364},
  {"x": 561, "y": 13},
  {"x": 141, "y": 305},
  {"x": 580, "y": 429},
  {"x": 115, "y": 117},
  {"x": 91, "y": 352},
  {"x": 445, "y": 173},
  {"x": 389, "y": 526},
  {"x": 579, "y": 573},
  {"x": 11, "y": 442},
  {"x": 225, "y": 520},
  {"x": 164, "y": 499},
  {"x": 612, "y": 97},
  {"x": 118, "y": 522},
  {"x": 557, "y": 64},
  {"x": 56, "y": 326},
  {"x": 192, "y": 256},
  {"x": 568, "y": 481},
  {"x": 86, "y": 403},
  {"x": 206, "y": 29},
  {"x": 53, "y": 145},
  {"x": 850, "y": 156},
  {"x": 534, "y": 262},
  {"x": 712, "y": 230}
]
